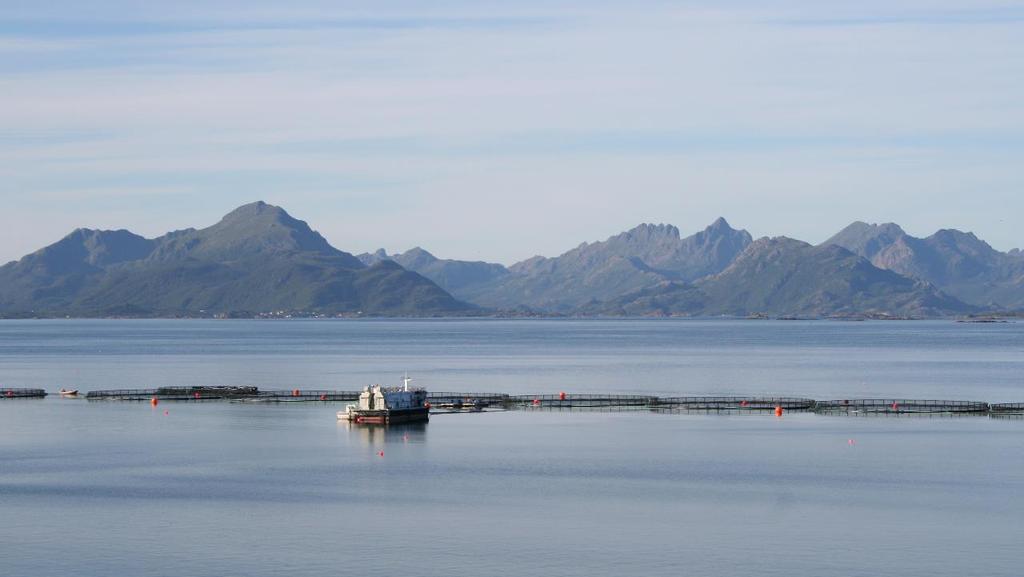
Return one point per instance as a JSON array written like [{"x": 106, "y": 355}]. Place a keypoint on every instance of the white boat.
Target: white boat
[
  {"x": 385, "y": 405},
  {"x": 67, "y": 393}
]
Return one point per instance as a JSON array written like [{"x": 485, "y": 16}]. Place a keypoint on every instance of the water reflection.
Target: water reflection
[{"x": 380, "y": 435}]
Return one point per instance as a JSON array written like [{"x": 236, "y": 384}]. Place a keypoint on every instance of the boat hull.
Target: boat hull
[{"x": 388, "y": 417}]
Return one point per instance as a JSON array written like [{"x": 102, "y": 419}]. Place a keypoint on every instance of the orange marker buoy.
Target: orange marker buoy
[
  {"x": 778, "y": 410},
  {"x": 154, "y": 401},
  {"x": 561, "y": 396}
]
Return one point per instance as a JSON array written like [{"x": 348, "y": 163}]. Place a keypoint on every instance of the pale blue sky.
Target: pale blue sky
[{"x": 499, "y": 130}]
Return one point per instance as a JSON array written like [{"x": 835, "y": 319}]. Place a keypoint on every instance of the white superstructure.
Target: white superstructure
[{"x": 386, "y": 402}]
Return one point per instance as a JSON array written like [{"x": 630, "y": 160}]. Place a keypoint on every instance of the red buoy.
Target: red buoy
[
  {"x": 778, "y": 410},
  {"x": 561, "y": 396},
  {"x": 380, "y": 453},
  {"x": 295, "y": 393},
  {"x": 536, "y": 402},
  {"x": 743, "y": 403},
  {"x": 426, "y": 404},
  {"x": 895, "y": 406},
  {"x": 196, "y": 395},
  {"x": 323, "y": 397},
  {"x": 154, "y": 401}
]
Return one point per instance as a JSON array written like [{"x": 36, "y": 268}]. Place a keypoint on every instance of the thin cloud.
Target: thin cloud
[
  {"x": 480, "y": 121},
  {"x": 58, "y": 28},
  {"x": 980, "y": 16}
]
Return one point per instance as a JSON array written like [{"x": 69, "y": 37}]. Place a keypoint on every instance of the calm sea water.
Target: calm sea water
[{"x": 216, "y": 489}]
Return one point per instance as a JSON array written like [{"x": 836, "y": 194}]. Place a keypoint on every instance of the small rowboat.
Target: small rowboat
[{"x": 67, "y": 393}]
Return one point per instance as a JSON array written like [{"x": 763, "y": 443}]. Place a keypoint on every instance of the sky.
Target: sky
[{"x": 500, "y": 130}]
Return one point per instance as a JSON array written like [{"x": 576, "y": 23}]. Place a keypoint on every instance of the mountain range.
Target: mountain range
[
  {"x": 256, "y": 259},
  {"x": 451, "y": 275},
  {"x": 644, "y": 256},
  {"x": 260, "y": 260},
  {"x": 786, "y": 277},
  {"x": 958, "y": 263}
]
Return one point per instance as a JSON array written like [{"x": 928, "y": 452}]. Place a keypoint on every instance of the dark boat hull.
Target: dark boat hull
[{"x": 392, "y": 416}]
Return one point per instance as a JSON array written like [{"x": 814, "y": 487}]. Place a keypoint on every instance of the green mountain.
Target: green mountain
[
  {"x": 786, "y": 277},
  {"x": 645, "y": 256},
  {"x": 957, "y": 262},
  {"x": 260, "y": 260},
  {"x": 257, "y": 259}
]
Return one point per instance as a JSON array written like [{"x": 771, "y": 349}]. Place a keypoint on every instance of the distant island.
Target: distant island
[{"x": 258, "y": 261}]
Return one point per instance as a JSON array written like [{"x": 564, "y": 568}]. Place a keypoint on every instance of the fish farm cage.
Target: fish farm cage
[
  {"x": 278, "y": 396},
  {"x": 897, "y": 406},
  {"x": 220, "y": 393},
  {"x": 1006, "y": 408},
  {"x": 461, "y": 401},
  {"x": 13, "y": 393},
  {"x": 735, "y": 403},
  {"x": 566, "y": 401},
  {"x": 451, "y": 400}
]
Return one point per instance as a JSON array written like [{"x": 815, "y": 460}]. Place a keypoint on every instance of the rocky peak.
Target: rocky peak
[
  {"x": 87, "y": 248},
  {"x": 774, "y": 243},
  {"x": 720, "y": 225},
  {"x": 867, "y": 240},
  {"x": 415, "y": 258},
  {"x": 638, "y": 238},
  {"x": 248, "y": 231},
  {"x": 255, "y": 210},
  {"x": 651, "y": 230},
  {"x": 719, "y": 230},
  {"x": 965, "y": 241},
  {"x": 373, "y": 258}
]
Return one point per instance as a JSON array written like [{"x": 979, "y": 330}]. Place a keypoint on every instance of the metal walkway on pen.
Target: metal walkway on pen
[
  {"x": 460, "y": 400},
  {"x": 18, "y": 393}
]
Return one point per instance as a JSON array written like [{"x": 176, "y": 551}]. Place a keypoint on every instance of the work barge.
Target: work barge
[{"x": 454, "y": 402}]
